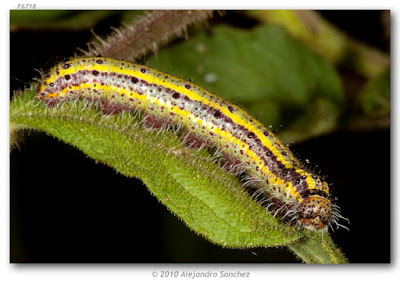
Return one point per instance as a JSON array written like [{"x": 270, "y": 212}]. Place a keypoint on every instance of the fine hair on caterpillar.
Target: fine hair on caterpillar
[{"x": 242, "y": 144}]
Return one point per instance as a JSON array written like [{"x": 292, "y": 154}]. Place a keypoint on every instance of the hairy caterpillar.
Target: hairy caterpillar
[{"x": 292, "y": 191}]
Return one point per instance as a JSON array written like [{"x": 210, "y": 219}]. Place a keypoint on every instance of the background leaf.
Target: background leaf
[
  {"x": 273, "y": 76},
  {"x": 57, "y": 19},
  {"x": 375, "y": 98}
]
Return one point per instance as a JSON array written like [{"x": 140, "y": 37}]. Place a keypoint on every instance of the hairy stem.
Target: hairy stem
[{"x": 146, "y": 33}]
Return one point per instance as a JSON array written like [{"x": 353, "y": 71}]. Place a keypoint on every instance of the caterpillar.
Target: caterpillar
[{"x": 292, "y": 191}]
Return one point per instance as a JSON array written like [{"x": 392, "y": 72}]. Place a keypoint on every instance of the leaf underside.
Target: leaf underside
[{"x": 208, "y": 199}]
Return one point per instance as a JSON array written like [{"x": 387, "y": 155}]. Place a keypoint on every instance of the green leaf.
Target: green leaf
[
  {"x": 375, "y": 98},
  {"x": 317, "y": 247},
  {"x": 273, "y": 76},
  {"x": 208, "y": 199},
  {"x": 188, "y": 182},
  {"x": 19, "y": 17}
]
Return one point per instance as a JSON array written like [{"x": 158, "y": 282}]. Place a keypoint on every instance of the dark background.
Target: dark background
[{"x": 66, "y": 208}]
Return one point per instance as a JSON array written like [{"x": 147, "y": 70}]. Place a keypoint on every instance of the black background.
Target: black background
[{"x": 66, "y": 208}]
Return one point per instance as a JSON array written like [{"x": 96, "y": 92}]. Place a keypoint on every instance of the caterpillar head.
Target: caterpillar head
[{"x": 315, "y": 212}]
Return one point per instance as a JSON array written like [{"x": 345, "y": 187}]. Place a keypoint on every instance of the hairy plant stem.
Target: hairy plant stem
[{"x": 146, "y": 33}]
